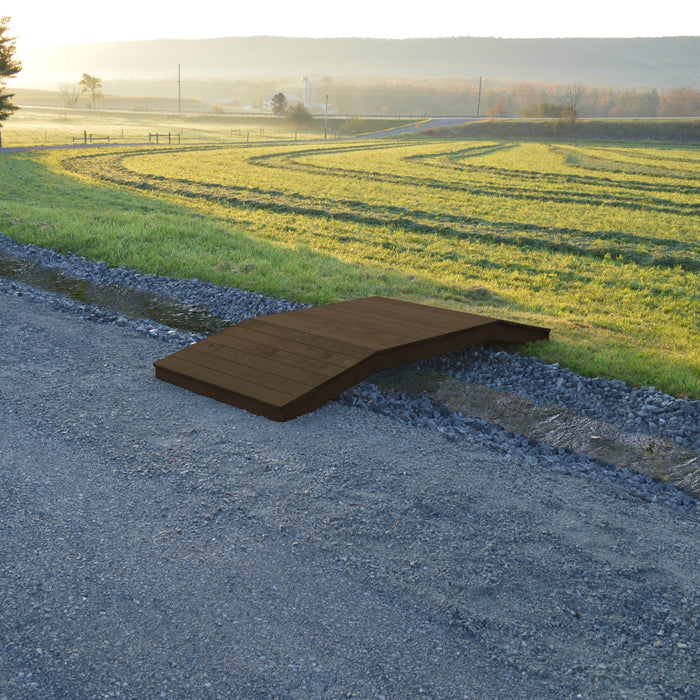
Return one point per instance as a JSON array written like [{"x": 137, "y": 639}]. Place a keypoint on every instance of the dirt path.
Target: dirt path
[{"x": 156, "y": 543}]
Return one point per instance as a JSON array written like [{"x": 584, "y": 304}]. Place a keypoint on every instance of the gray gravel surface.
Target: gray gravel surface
[{"x": 156, "y": 543}]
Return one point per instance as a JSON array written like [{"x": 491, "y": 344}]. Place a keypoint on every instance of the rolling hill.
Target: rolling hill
[{"x": 643, "y": 62}]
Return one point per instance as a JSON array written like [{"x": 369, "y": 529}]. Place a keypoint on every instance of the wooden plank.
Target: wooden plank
[
  {"x": 299, "y": 335},
  {"x": 406, "y": 318},
  {"x": 280, "y": 341},
  {"x": 425, "y": 313},
  {"x": 265, "y": 406},
  {"x": 257, "y": 355},
  {"x": 187, "y": 366},
  {"x": 271, "y": 377},
  {"x": 334, "y": 325},
  {"x": 283, "y": 365},
  {"x": 371, "y": 322},
  {"x": 230, "y": 355},
  {"x": 393, "y": 328},
  {"x": 425, "y": 348},
  {"x": 408, "y": 309},
  {"x": 509, "y": 332}
]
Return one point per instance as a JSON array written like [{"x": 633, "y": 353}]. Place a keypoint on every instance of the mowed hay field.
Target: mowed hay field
[{"x": 599, "y": 242}]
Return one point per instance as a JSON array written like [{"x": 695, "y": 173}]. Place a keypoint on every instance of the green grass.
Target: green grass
[
  {"x": 599, "y": 242},
  {"x": 680, "y": 130},
  {"x": 36, "y": 125}
]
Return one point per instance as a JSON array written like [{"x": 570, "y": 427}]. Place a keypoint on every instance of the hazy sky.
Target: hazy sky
[{"x": 81, "y": 21}]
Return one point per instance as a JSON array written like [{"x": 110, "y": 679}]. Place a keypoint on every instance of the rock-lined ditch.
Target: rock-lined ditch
[
  {"x": 555, "y": 426},
  {"x": 641, "y": 438}
]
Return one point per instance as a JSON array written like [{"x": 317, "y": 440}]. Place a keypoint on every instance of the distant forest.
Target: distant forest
[
  {"x": 447, "y": 97},
  {"x": 501, "y": 98}
]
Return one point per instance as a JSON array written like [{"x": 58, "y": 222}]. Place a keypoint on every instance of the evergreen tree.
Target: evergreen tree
[{"x": 9, "y": 67}]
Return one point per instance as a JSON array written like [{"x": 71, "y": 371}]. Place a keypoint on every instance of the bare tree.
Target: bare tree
[
  {"x": 572, "y": 98},
  {"x": 70, "y": 93}
]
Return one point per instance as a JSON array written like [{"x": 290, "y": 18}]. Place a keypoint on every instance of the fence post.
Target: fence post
[
  {"x": 0, "y": 139},
  {"x": 169, "y": 139},
  {"x": 85, "y": 137}
]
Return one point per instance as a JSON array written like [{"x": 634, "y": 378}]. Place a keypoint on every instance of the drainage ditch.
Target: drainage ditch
[
  {"x": 555, "y": 426},
  {"x": 132, "y": 303}
]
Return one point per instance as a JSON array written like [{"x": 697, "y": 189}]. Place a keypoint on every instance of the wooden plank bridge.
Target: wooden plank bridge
[{"x": 283, "y": 365}]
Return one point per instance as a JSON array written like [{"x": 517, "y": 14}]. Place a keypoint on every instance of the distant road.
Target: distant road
[{"x": 421, "y": 125}]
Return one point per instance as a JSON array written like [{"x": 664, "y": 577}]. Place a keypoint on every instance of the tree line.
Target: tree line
[
  {"x": 445, "y": 97},
  {"x": 510, "y": 99}
]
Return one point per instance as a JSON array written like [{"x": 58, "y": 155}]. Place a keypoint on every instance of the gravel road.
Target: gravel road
[{"x": 156, "y": 543}]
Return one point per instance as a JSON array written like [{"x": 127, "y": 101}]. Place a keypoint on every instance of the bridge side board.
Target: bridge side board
[
  {"x": 497, "y": 331},
  {"x": 282, "y": 400}
]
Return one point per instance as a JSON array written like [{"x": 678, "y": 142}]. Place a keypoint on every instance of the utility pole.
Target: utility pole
[
  {"x": 179, "y": 92},
  {"x": 478, "y": 104}
]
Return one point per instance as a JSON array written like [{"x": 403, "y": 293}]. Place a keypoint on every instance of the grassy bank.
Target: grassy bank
[{"x": 658, "y": 130}]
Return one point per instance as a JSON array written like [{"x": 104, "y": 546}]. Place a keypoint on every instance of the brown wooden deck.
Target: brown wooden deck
[{"x": 283, "y": 365}]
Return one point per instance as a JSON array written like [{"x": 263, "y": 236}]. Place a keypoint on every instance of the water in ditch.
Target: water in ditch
[{"x": 132, "y": 303}]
